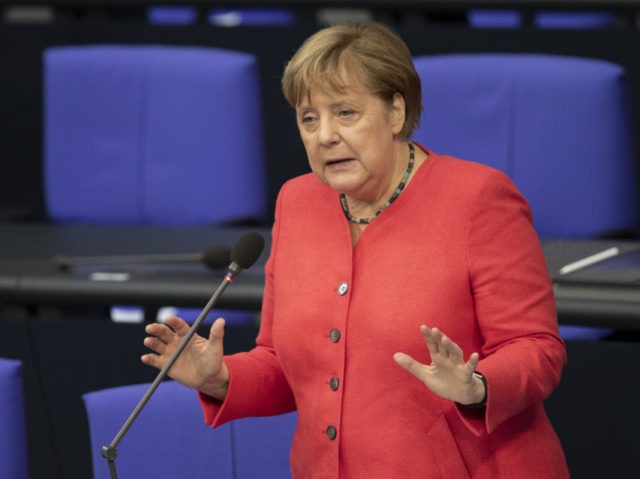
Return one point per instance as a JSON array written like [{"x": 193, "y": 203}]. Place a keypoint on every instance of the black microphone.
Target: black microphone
[
  {"x": 246, "y": 251},
  {"x": 244, "y": 254},
  {"x": 215, "y": 257}
]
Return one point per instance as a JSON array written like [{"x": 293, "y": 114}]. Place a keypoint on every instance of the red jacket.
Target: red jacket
[{"x": 456, "y": 250}]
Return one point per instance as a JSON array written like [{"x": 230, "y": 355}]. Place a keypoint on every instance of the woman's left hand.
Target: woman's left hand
[{"x": 448, "y": 375}]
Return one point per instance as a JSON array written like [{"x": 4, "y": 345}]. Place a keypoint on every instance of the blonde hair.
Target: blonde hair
[{"x": 369, "y": 52}]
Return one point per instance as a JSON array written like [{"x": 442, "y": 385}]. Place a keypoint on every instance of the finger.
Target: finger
[
  {"x": 216, "y": 333},
  {"x": 152, "y": 360},
  {"x": 472, "y": 364},
  {"x": 444, "y": 345},
  {"x": 161, "y": 331},
  {"x": 437, "y": 338},
  {"x": 430, "y": 338},
  {"x": 156, "y": 330},
  {"x": 454, "y": 352},
  {"x": 178, "y": 325},
  {"x": 155, "y": 345},
  {"x": 409, "y": 364}
]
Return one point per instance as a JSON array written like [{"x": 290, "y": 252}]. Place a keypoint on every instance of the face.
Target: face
[{"x": 351, "y": 140}]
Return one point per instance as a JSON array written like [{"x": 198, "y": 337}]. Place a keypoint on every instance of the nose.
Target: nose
[{"x": 328, "y": 132}]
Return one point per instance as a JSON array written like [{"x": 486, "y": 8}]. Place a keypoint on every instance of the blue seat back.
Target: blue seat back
[
  {"x": 152, "y": 134},
  {"x": 493, "y": 18},
  {"x": 545, "y": 19},
  {"x": 558, "y": 126},
  {"x": 172, "y": 15},
  {"x": 168, "y": 440},
  {"x": 575, "y": 20},
  {"x": 13, "y": 434},
  {"x": 261, "y": 446},
  {"x": 254, "y": 16}
]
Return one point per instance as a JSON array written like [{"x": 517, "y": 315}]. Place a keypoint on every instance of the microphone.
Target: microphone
[
  {"x": 215, "y": 257},
  {"x": 244, "y": 254},
  {"x": 246, "y": 251}
]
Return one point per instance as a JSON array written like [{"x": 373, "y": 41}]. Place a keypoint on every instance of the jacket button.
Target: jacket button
[
  {"x": 334, "y": 335},
  {"x": 343, "y": 288},
  {"x": 332, "y": 432},
  {"x": 334, "y": 383}
]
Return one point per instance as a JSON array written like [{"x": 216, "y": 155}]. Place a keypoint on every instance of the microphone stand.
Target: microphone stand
[{"x": 110, "y": 451}]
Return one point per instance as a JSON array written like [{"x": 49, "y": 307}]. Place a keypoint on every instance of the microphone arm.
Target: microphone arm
[
  {"x": 215, "y": 257},
  {"x": 110, "y": 451}
]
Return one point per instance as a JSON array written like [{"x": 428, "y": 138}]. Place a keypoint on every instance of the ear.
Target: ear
[{"x": 397, "y": 113}]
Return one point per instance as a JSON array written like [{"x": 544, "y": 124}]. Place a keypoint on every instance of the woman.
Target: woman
[{"x": 387, "y": 245}]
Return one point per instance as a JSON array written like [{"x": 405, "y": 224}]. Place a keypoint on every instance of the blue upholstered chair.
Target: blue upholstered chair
[
  {"x": 221, "y": 16},
  {"x": 568, "y": 20},
  {"x": 152, "y": 134},
  {"x": 170, "y": 439},
  {"x": 575, "y": 20},
  {"x": 13, "y": 434},
  {"x": 261, "y": 446},
  {"x": 492, "y": 18},
  {"x": 251, "y": 16},
  {"x": 558, "y": 126},
  {"x": 172, "y": 15}
]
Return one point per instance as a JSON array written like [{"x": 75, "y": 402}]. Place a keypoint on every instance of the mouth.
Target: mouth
[{"x": 338, "y": 161}]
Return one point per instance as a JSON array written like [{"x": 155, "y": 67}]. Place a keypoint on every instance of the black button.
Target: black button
[
  {"x": 332, "y": 432},
  {"x": 334, "y": 383},
  {"x": 334, "y": 335}
]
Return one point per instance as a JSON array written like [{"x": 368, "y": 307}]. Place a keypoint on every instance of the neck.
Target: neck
[
  {"x": 362, "y": 212},
  {"x": 382, "y": 192}
]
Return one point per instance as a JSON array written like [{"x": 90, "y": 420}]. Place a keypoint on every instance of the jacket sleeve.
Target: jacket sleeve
[
  {"x": 522, "y": 354},
  {"x": 257, "y": 385}
]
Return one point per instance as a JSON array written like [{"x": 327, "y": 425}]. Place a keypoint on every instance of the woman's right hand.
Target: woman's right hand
[{"x": 200, "y": 365}]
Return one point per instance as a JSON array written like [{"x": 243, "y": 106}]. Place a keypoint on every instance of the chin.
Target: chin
[{"x": 342, "y": 184}]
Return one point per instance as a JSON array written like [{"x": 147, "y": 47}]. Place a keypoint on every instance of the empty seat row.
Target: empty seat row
[{"x": 139, "y": 134}]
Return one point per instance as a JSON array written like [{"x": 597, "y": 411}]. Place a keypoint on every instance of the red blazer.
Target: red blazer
[{"x": 456, "y": 250}]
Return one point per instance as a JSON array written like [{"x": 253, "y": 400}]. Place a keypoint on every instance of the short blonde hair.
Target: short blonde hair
[{"x": 372, "y": 52}]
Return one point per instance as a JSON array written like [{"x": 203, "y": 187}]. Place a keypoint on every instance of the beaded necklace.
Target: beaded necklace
[{"x": 396, "y": 193}]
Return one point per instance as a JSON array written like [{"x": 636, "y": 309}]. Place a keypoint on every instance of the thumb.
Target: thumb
[
  {"x": 408, "y": 363},
  {"x": 216, "y": 333}
]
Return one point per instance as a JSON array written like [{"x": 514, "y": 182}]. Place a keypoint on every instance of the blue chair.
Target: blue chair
[
  {"x": 576, "y": 20},
  {"x": 584, "y": 333},
  {"x": 169, "y": 439},
  {"x": 251, "y": 16},
  {"x": 221, "y": 17},
  {"x": 261, "y": 446},
  {"x": 558, "y": 126},
  {"x": 152, "y": 135},
  {"x": 172, "y": 15},
  {"x": 545, "y": 19},
  {"x": 13, "y": 433},
  {"x": 489, "y": 18}
]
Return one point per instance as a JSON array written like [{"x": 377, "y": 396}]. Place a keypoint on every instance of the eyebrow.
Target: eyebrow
[{"x": 333, "y": 105}]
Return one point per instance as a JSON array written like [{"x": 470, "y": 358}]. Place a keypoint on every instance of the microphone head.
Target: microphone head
[
  {"x": 247, "y": 249},
  {"x": 216, "y": 257}
]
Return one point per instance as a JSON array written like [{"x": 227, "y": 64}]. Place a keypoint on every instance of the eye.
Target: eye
[
  {"x": 307, "y": 118},
  {"x": 346, "y": 112}
]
